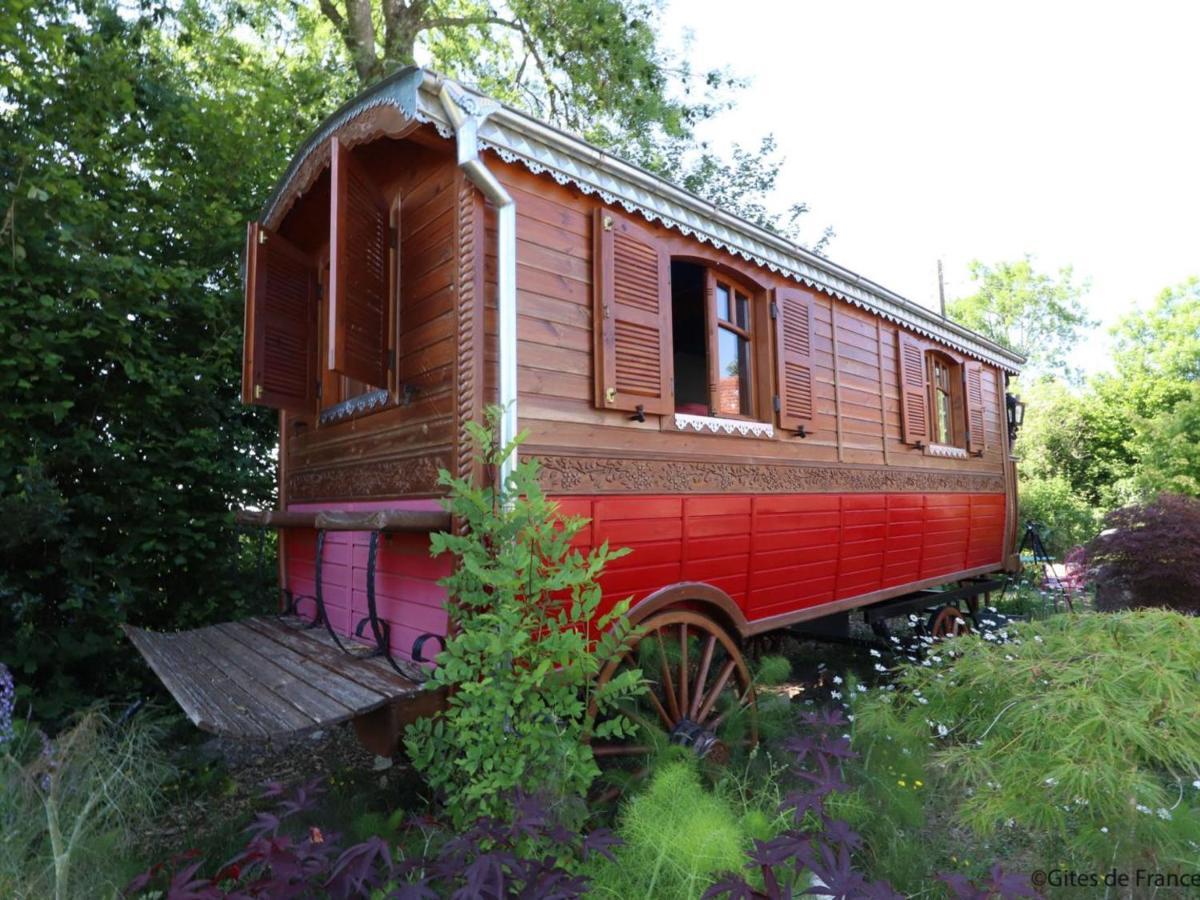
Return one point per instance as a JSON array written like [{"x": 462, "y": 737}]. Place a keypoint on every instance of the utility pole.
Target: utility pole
[{"x": 941, "y": 289}]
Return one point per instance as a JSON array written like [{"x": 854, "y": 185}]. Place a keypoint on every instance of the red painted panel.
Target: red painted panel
[
  {"x": 773, "y": 554},
  {"x": 780, "y": 553}
]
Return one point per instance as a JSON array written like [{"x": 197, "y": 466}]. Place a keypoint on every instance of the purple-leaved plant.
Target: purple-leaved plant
[
  {"x": 823, "y": 845},
  {"x": 285, "y": 858}
]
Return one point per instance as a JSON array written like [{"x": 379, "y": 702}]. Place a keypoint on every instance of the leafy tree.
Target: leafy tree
[
  {"x": 1142, "y": 411},
  {"x": 595, "y": 67},
  {"x": 1168, "y": 449},
  {"x": 135, "y": 145},
  {"x": 1036, "y": 314}
]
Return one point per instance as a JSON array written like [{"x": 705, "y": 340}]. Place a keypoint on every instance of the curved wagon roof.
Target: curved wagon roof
[{"x": 409, "y": 98}]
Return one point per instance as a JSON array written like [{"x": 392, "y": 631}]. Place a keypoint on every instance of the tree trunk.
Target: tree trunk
[{"x": 401, "y": 25}]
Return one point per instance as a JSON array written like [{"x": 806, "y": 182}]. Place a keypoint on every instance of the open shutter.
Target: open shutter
[
  {"x": 973, "y": 388},
  {"x": 632, "y": 321},
  {"x": 914, "y": 389},
  {"x": 793, "y": 314},
  {"x": 358, "y": 272},
  {"x": 279, "y": 364}
]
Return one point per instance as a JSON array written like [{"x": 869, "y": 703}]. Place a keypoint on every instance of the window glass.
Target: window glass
[
  {"x": 943, "y": 428},
  {"x": 733, "y": 384},
  {"x": 743, "y": 311},
  {"x": 723, "y": 303}
]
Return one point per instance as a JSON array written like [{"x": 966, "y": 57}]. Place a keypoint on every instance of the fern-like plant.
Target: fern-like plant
[
  {"x": 1080, "y": 732},
  {"x": 528, "y": 638}
]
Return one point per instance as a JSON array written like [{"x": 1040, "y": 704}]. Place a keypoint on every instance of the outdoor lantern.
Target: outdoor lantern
[{"x": 1016, "y": 415}]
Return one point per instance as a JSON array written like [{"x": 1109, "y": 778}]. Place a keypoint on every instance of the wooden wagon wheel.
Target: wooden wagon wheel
[
  {"x": 700, "y": 693},
  {"x": 947, "y": 622}
]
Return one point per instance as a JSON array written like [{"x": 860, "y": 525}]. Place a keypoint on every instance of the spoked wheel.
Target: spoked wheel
[
  {"x": 699, "y": 695},
  {"x": 947, "y": 622}
]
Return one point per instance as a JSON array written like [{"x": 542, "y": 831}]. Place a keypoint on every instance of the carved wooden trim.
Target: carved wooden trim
[
  {"x": 599, "y": 475},
  {"x": 374, "y": 478},
  {"x": 468, "y": 382}
]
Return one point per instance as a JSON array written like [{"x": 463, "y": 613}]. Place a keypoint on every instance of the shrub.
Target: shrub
[
  {"x": 1068, "y": 519},
  {"x": 1080, "y": 733},
  {"x": 1149, "y": 555},
  {"x": 287, "y": 855},
  {"x": 528, "y": 640},
  {"x": 676, "y": 837},
  {"x": 70, "y": 808}
]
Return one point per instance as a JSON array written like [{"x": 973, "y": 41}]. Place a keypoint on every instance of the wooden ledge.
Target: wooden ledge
[
  {"x": 262, "y": 678},
  {"x": 390, "y": 520}
]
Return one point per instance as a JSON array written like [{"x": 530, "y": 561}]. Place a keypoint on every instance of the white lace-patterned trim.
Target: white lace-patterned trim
[
  {"x": 723, "y": 426},
  {"x": 943, "y": 450}
]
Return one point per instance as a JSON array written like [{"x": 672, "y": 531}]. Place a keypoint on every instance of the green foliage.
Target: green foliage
[
  {"x": 528, "y": 640},
  {"x": 1036, "y": 314},
  {"x": 887, "y": 806},
  {"x": 1168, "y": 448},
  {"x": 1127, "y": 434},
  {"x": 1080, "y": 734},
  {"x": 1068, "y": 519},
  {"x": 137, "y": 142},
  {"x": 677, "y": 837},
  {"x": 772, "y": 670},
  {"x": 594, "y": 67},
  {"x": 71, "y": 810}
]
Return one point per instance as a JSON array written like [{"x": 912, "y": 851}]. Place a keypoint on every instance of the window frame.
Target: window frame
[
  {"x": 755, "y": 334},
  {"x": 955, "y": 398}
]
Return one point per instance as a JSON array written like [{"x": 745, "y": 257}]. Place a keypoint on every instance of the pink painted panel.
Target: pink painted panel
[{"x": 407, "y": 595}]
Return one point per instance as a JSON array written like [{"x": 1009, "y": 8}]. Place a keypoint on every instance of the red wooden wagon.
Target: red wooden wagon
[{"x": 778, "y": 439}]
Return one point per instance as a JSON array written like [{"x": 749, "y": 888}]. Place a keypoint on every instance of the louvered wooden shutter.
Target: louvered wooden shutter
[
  {"x": 279, "y": 363},
  {"x": 973, "y": 388},
  {"x": 914, "y": 389},
  {"x": 793, "y": 314},
  {"x": 632, "y": 321},
  {"x": 358, "y": 272}
]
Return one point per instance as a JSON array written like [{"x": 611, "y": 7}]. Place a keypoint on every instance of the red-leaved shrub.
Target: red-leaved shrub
[{"x": 1149, "y": 555}]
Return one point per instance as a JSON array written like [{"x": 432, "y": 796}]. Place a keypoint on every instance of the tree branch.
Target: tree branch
[{"x": 465, "y": 21}]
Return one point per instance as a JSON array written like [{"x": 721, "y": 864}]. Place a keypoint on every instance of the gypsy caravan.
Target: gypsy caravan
[{"x": 779, "y": 440}]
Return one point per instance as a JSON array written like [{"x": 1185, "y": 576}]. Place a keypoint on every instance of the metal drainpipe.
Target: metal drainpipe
[{"x": 466, "y": 113}]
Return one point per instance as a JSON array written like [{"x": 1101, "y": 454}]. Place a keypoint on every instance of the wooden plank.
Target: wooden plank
[
  {"x": 357, "y": 670},
  {"x": 228, "y": 674},
  {"x": 197, "y": 706},
  {"x": 275, "y": 668},
  {"x": 194, "y": 670}
]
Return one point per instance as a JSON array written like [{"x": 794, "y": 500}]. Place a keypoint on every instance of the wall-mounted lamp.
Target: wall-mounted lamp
[{"x": 1016, "y": 415}]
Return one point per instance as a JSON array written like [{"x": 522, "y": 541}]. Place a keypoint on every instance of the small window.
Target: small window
[
  {"x": 946, "y": 401},
  {"x": 712, "y": 321}
]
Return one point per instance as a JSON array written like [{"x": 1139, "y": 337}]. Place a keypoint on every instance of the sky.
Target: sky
[{"x": 957, "y": 131}]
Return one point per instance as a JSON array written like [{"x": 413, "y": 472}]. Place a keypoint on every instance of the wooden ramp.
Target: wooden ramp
[{"x": 267, "y": 677}]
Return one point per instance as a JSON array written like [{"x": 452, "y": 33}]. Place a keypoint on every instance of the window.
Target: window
[
  {"x": 734, "y": 394},
  {"x": 945, "y": 401},
  {"x": 942, "y": 399},
  {"x": 712, "y": 322}
]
